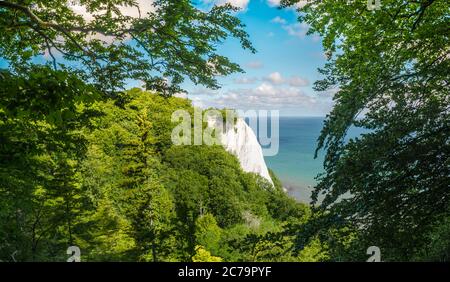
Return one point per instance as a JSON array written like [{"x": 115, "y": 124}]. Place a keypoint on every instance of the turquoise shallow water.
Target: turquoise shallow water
[{"x": 295, "y": 164}]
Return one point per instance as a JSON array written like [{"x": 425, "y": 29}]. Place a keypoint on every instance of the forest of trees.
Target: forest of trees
[
  {"x": 104, "y": 176},
  {"x": 85, "y": 162}
]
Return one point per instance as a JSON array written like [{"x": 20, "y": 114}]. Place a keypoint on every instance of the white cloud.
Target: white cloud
[
  {"x": 298, "y": 81},
  {"x": 142, "y": 9},
  {"x": 274, "y": 3},
  {"x": 255, "y": 65},
  {"x": 204, "y": 91},
  {"x": 198, "y": 102},
  {"x": 299, "y": 4},
  {"x": 269, "y": 96},
  {"x": 298, "y": 29},
  {"x": 245, "y": 80},
  {"x": 328, "y": 93},
  {"x": 316, "y": 37},
  {"x": 279, "y": 20},
  {"x": 238, "y": 3},
  {"x": 275, "y": 78},
  {"x": 180, "y": 95},
  {"x": 145, "y": 7},
  {"x": 241, "y": 4},
  {"x": 295, "y": 81}
]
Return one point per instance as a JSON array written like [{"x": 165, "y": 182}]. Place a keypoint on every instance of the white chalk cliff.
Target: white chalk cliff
[{"x": 240, "y": 140}]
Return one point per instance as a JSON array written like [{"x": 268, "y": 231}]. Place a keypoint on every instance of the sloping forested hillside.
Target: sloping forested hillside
[{"x": 103, "y": 175}]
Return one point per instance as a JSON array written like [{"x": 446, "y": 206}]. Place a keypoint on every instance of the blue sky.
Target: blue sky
[{"x": 280, "y": 75}]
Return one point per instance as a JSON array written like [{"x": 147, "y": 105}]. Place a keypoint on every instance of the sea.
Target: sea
[{"x": 295, "y": 164}]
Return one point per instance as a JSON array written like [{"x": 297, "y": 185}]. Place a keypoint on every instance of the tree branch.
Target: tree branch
[{"x": 421, "y": 11}]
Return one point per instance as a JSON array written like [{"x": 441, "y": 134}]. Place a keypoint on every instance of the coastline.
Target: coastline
[{"x": 300, "y": 192}]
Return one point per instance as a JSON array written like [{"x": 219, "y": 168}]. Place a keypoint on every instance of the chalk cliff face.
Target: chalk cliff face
[{"x": 240, "y": 140}]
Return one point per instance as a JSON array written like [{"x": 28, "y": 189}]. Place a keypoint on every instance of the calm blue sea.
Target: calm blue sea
[{"x": 295, "y": 164}]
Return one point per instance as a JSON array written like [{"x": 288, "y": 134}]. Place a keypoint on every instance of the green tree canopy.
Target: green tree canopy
[
  {"x": 389, "y": 71},
  {"x": 161, "y": 46}
]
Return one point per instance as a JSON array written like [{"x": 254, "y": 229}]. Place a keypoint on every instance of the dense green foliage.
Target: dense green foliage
[
  {"x": 114, "y": 185},
  {"x": 390, "y": 69},
  {"x": 85, "y": 164},
  {"x": 162, "y": 44},
  {"x": 42, "y": 115}
]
